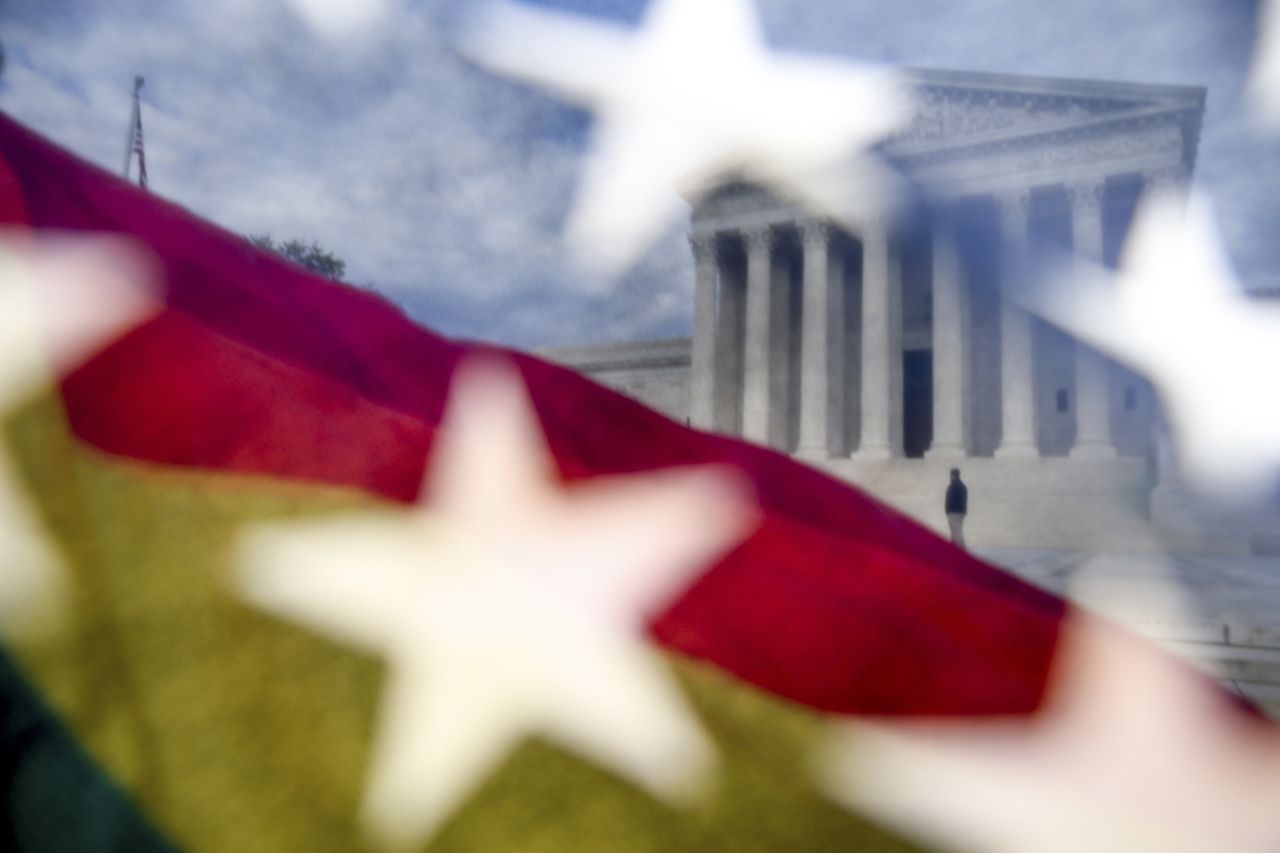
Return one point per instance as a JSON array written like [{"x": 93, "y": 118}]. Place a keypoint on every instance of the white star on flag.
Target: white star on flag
[
  {"x": 1132, "y": 752},
  {"x": 507, "y": 606},
  {"x": 61, "y": 299},
  {"x": 695, "y": 94},
  {"x": 1176, "y": 313}
]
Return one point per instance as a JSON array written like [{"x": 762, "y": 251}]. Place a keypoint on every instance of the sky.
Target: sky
[{"x": 445, "y": 187}]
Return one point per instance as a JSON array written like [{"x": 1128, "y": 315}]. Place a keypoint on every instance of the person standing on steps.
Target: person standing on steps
[{"x": 957, "y": 506}]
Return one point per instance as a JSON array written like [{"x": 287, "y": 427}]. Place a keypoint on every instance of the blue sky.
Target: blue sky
[{"x": 446, "y": 188}]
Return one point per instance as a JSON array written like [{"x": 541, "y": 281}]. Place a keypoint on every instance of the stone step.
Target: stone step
[
  {"x": 1170, "y": 627},
  {"x": 1042, "y": 503},
  {"x": 1265, "y": 696},
  {"x": 1180, "y": 621},
  {"x": 1253, "y": 631},
  {"x": 1259, "y": 666}
]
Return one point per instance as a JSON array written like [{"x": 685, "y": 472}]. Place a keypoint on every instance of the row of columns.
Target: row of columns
[
  {"x": 716, "y": 338},
  {"x": 822, "y": 311},
  {"x": 1018, "y": 409}
]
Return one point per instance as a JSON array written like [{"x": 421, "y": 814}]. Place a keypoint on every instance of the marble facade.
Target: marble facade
[
  {"x": 1034, "y": 155},
  {"x": 887, "y": 355}
]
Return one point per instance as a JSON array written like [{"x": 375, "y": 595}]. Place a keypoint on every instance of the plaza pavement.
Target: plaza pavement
[{"x": 1222, "y": 613}]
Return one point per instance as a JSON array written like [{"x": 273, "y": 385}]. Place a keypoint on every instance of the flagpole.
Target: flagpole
[{"x": 133, "y": 126}]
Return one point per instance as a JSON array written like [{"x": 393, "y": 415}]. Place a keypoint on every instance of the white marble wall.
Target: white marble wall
[
  {"x": 663, "y": 388},
  {"x": 656, "y": 373}
]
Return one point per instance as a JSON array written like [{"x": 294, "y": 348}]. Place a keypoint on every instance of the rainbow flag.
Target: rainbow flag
[{"x": 164, "y": 711}]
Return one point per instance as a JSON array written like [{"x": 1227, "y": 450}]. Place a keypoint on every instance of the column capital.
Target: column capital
[
  {"x": 1085, "y": 195},
  {"x": 1015, "y": 203},
  {"x": 1168, "y": 180},
  {"x": 758, "y": 237},
  {"x": 876, "y": 225},
  {"x": 705, "y": 246},
  {"x": 815, "y": 232}
]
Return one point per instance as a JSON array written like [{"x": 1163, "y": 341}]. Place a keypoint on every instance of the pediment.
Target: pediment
[
  {"x": 974, "y": 131},
  {"x": 959, "y": 107},
  {"x": 744, "y": 201}
]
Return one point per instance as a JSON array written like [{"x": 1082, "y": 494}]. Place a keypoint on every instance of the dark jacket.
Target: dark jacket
[{"x": 957, "y": 498}]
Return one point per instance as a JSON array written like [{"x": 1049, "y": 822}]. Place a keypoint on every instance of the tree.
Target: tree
[{"x": 312, "y": 257}]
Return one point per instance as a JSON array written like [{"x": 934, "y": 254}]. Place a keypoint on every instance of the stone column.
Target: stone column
[
  {"x": 836, "y": 344},
  {"x": 780, "y": 321},
  {"x": 950, "y": 351},
  {"x": 756, "y": 385},
  {"x": 816, "y": 342},
  {"x": 702, "y": 368},
  {"x": 881, "y": 345},
  {"x": 1017, "y": 376},
  {"x": 1093, "y": 406},
  {"x": 727, "y": 386}
]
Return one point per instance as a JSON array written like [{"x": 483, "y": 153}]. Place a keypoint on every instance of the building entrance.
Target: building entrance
[{"x": 917, "y": 402}]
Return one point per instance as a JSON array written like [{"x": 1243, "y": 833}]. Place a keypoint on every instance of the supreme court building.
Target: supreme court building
[{"x": 885, "y": 354}]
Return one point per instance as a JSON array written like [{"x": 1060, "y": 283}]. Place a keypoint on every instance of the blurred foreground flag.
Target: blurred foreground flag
[{"x": 171, "y": 709}]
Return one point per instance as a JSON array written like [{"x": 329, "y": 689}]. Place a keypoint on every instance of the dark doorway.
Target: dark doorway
[{"x": 917, "y": 402}]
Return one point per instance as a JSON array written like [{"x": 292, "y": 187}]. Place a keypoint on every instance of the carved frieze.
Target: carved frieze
[
  {"x": 734, "y": 199},
  {"x": 1062, "y": 148},
  {"x": 977, "y": 137},
  {"x": 946, "y": 112}
]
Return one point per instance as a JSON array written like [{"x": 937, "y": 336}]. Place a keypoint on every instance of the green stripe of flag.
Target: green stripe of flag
[{"x": 55, "y": 797}]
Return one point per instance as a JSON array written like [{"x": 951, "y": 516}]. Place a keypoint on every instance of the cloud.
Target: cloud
[
  {"x": 442, "y": 186},
  {"x": 448, "y": 188}
]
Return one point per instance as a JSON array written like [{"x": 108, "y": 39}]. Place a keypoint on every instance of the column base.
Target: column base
[
  {"x": 1093, "y": 450},
  {"x": 874, "y": 451},
  {"x": 946, "y": 451},
  {"x": 816, "y": 454},
  {"x": 1018, "y": 450}
]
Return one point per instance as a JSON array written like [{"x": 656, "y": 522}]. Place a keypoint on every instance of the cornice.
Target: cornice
[
  {"x": 980, "y": 130},
  {"x": 658, "y": 353},
  {"x": 1048, "y": 132},
  {"x": 985, "y": 81}
]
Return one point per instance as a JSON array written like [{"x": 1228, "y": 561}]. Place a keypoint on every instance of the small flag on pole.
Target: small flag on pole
[
  {"x": 135, "y": 138},
  {"x": 137, "y": 149}
]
